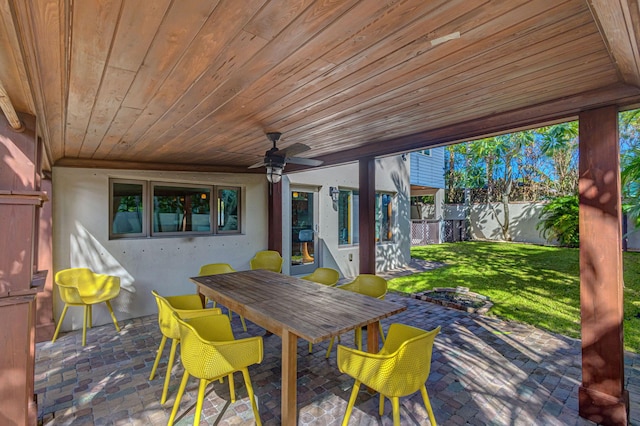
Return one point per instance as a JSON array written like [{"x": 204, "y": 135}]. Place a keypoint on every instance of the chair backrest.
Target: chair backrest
[
  {"x": 369, "y": 284},
  {"x": 326, "y": 276},
  {"x": 409, "y": 365},
  {"x": 168, "y": 326},
  {"x": 75, "y": 284},
  {"x": 206, "y": 357},
  {"x": 215, "y": 269},
  {"x": 267, "y": 259}
]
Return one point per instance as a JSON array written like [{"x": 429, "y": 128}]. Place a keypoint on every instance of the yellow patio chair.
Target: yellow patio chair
[
  {"x": 83, "y": 287},
  {"x": 326, "y": 276},
  {"x": 369, "y": 285},
  {"x": 267, "y": 259},
  {"x": 215, "y": 269},
  {"x": 209, "y": 353},
  {"x": 400, "y": 368},
  {"x": 186, "y": 306}
]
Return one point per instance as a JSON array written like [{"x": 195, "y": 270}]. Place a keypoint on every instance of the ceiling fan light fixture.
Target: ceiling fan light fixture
[{"x": 274, "y": 173}]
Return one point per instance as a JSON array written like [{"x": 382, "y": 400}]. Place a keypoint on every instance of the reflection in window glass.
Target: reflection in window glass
[
  {"x": 127, "y": 208},
  {"x": 384, "y": 217},
  {"x": 348, "y": 204},
  {"x": 181, "y": 209},
  {"x": 228, "y": 208}
]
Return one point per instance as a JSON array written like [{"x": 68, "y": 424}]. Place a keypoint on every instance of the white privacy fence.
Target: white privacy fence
[{"x": 482, "y": 224}]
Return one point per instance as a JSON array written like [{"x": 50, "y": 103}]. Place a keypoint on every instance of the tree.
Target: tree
[
  {"x": 500, "y": 155},
  {"x": 559, "y": 143},
  {"x": 630, "y": 164}
]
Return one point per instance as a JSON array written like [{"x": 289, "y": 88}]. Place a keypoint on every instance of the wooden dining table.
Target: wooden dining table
[{"x": 294, "y": 308}]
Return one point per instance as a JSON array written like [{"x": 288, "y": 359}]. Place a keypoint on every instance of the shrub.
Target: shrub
[{"x": 560, "y": 221}]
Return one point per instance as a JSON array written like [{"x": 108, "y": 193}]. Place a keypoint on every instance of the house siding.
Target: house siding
[{"x": 428, "y": 170}]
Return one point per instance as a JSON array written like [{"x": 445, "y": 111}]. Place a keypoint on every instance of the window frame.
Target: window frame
[
  {"x": 154, "y": 233},
  {"x": 379, "y": 216},
  {"x": 352, "y": 218},
  {"x": 148, "y": 216},
  {"x": 216, "y": 212},
  {"x": 145, "y": 200},
  {"x": 391, "y": 215}
]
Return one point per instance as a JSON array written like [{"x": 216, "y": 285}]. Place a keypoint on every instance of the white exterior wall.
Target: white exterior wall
[
  {"x": 524, "y": 218},
  {"x": 392, "y": 175},
  {"x": 81, "y": 239}
]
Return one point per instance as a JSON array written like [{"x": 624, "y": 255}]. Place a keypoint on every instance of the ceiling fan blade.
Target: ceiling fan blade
[
  {"x": 294, "y": 149},
  {"x": 258, "y": 164},
  {"x": 304, "y": 161}
]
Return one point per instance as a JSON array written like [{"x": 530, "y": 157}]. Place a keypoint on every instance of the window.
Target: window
[
  {"x": 127, "y": 213},
  {"x": 384, "y": 217},
  {"x": 175, "y": 209},
  {"x": 348, "y": 207},
  {"x": 426, "y": 152},
  {"x": 348, "y": 221},
  {"x": 181, "y": 209},
  {"x": 228, "y": 207}
]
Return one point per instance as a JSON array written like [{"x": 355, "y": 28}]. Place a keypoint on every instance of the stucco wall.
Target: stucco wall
[
  {"x": 392, "y": 175},
  {"x": 81, "y": 239}
]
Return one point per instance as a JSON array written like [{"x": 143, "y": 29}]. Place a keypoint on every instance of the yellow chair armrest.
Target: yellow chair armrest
[
  {"x": 69, "y": 293},
  {"x": 373, "y": 370}
]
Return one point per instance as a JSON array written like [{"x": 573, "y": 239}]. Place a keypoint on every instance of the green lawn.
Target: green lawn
[{"x": 527, "y": 283}]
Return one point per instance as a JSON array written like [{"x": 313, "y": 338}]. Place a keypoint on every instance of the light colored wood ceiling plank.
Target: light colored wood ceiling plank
[
  {"x": 13, "y": 70},
  {"x": 564, "y": 108},
  {"x": 112, "y": 141},
  {"x": 616, "y": 23},
  {"x": 477, "y": 104},
  {"x": 218, "y": 50},
  {"x": 181, "y": 25},
  {"x": 442, "y": 64},
  {"x": 92, "y": 32},
  {"x": 311, "y": 21},
  {"x": 365, "y": 13},
  {"x": 136, "y": 28},
  {"x": 446, "y": 81},
  {"x": 41, "y": 27}
]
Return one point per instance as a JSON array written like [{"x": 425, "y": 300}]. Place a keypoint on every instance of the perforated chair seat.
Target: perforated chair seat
[
  {"x": 400, "y": 368},
  {"x": 185, "y": 306},
  {"x": 83, "y": 287},
  {"x": 209, "y": 353}
]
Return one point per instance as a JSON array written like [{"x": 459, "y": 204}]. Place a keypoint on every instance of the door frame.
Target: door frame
[{"x": 308, "y": 268}]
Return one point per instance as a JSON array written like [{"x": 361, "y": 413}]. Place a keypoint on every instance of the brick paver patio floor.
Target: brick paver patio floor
[{"x": 484, "y": 372}]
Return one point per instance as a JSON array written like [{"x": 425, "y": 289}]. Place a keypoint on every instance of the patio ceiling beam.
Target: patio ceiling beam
[
  {"x": 619, "y": 24},
  {"x": 559, "y": 110},
  {"x": 139, "y": 165},
  {"x": 9, "y": 111}
]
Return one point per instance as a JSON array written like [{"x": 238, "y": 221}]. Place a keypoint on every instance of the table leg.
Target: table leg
[
  {"x": 202, "y": 297},
  {"x": 373, "y": 334},
  {"x": 289, "y": 377}
]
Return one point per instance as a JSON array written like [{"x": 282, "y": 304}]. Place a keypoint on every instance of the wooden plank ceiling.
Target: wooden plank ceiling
[{"x": 195, "y": 83}]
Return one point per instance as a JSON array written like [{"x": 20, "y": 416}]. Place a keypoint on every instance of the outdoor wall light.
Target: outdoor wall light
[{"x": 334, "y": 193}]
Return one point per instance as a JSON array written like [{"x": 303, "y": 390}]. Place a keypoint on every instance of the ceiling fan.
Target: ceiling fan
[{"x": 275, "y": 159}]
